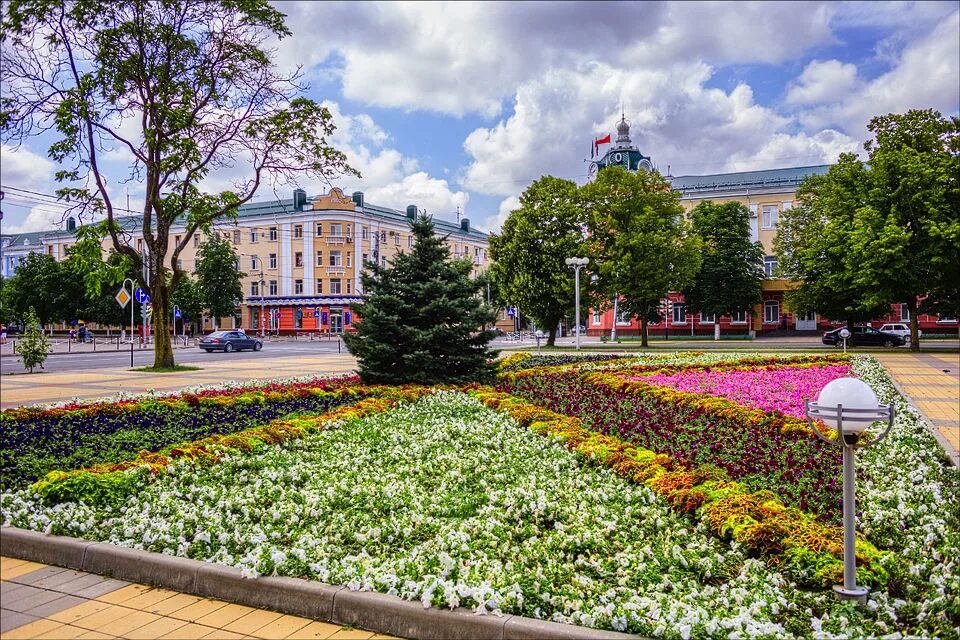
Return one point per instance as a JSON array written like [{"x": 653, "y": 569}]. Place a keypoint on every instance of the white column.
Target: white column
[
  {"x": 286, "y": 259},
  {"x": 754, "y": 224},
  {"x": 309, "y": 258}
]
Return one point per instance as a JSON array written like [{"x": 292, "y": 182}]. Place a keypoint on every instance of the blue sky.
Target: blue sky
[{"x": 449, "y": 105}]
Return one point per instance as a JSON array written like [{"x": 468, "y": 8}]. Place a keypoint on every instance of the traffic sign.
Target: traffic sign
[
  {"x": 122, "y": 297},
  {"x": 316, "y": 313},
  {"x": 324, "y": 318},
  {"x": 511, "y": 311},
  {"x": 176, "y": 313},
  {"x": 141, "y": 296}
]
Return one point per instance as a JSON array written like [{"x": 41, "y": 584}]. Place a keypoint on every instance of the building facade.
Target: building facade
[
  {"x": 302, "y": 257},
  {"x": 767, "y": 194}
]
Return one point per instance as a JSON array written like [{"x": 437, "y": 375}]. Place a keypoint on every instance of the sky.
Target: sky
[{"x": 462, "y": 105}]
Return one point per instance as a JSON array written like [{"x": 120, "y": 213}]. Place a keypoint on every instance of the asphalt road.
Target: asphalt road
[{"x": 189, "y": 356}]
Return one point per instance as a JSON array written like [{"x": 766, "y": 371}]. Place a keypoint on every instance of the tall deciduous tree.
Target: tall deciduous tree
[
  {"x": 187, "y": 298},
  {"x": 814, "y": 244},
  {"x": 52, "y": 290},
  {"x": 184, "y": 89},
  {"x": 528, "y": 254},
  {"x": 641, "y": 244},
  {"x": 906, "y": 242},
  {"x": 219, "y": 281},
  {"x": 421, "y": 319}
]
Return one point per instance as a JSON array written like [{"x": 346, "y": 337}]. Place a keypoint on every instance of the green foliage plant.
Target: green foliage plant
[
  {"x": 33, "y": 347},
  {"x": 219, "y": 281}
]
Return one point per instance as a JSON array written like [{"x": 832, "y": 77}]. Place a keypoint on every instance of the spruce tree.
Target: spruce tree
[{"x": 422, "y": 318}]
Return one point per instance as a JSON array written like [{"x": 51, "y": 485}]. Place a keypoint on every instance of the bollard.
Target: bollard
[
  {"x": 68, "y": 345},
  {"x": 94, "y": 344},
  {"x": 338, "y": 344}
]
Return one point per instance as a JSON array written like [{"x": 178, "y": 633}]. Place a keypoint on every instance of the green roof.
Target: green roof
[{"x": 791, "y": 176}]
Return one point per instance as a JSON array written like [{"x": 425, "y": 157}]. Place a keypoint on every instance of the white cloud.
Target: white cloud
[
  {"x": 25, "y": 169},
  {"x": 432, "y": 194},
  {"x": 39, "y": 218},
  {"x": 823, "y": 82},
  {"x": 507, "y": 206}
]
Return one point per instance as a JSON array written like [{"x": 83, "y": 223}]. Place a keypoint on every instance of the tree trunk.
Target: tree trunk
[
  {"x": 553, "y": 336},
  {"x": 914, "y": 329},
  {"x": 162, "y": 345},
  {"x": 643, "y": 331}
]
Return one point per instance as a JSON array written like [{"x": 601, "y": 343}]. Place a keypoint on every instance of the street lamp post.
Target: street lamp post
[
  {"x": 576, "y": 264},
  {"x": 850, "y": 406}
]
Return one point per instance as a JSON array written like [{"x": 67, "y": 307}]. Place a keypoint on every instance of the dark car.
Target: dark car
[
  {"x": 229, "y": 341},
  {"x": 864, "y": 337}
]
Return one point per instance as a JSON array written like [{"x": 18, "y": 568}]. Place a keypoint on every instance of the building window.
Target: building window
[
  {"x": 176, "y": 241},
  {"x": 298, "y": 231},
  {"x": 770, "y": 266},
  {"x": 196, "y": 240},
  {"x": 273, "y": 287},
  {"x": 319, "y": 258},
  {"x": 254, "y": 263},
  {"x": 298, "y": 287},
  {"x": 771, "y": 312},
  {"x": 179, "y": 264},
  {"x": 366, "y": 259},
  {"x": 298, "y": 259},
  {"x": 787, "y": 205},
  {"x": 364, "y": 233},
  {"x": 410, "y": 241},
  {"x": 904, "y": 313},
  {"x": 738, "y": 317},
  {"x": 336, "y": 229},
  {"x": 335, "y": 259},
  {"x": 679, "y": 313},
  {"x": 298, "y": 317},
  {"x": 349, "y": 284},
  {"x": 396, "y": 239},
  {"x": 139, "y": 247},
  {"x": 319, "y": 229},
  {"x": 336, "y": 286},
  {"x": 945, "y": 318},
  {"x": 273, "y": 234},
  {"x": 623, "y": 317},
  {"x": 236, "y": 237},
  {"x": 255, "y": 288},
  {"x": 383, "y": 236},
  {"x": 349, "y": 259},
  {"x": 596, "y": 317},
  {"x": 708, "y": 318},
  {"x": 253, "y": 235},
  {"x": 319, "y": 286},
  {"x": 273, "y": 261},
  {"x": 383, "y": 260},
  {"x": 770, "y": 216}
]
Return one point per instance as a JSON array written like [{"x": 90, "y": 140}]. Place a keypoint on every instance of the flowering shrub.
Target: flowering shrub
[{"x": 525, "y": 360}]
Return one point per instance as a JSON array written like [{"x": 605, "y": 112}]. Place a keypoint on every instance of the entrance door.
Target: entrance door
[
  {"x": 336, "y": 322},
  {"x": 807, "y": 322}
]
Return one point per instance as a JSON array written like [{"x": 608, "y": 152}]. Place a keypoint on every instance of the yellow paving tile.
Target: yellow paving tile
[
  {"x": 95, "y": 635},
  {"x": 124, "y": 593},
  {"x": 224, "y": 616},
  {"x": 147, "y": 598},
  {"x": 171, "y": 605},
  {"x": 37, "y": 629},
  {"x": 65, "y": 632},
  {"x": 317, "y": 630},
  {"x": 252, "y": 621},
  {"x": 197, "y": 610},
  {"x": 223, "y": 634},
  {"x": 7, "y": 563},
  {"x": 283, "y": 627},
  {"x": 189, "y": 632},
  {"x": 159, "y": 627},
  {"x": 19, "y": 570},
  {"x": 123, "y": 625},
  {"x": 94, "y": 621},
  {"x": 71, "y": 615},
  {"x": 352, "y": 634}
]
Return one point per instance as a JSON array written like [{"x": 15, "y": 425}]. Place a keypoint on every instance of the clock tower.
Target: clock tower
[{"x": 623, "y": 153}]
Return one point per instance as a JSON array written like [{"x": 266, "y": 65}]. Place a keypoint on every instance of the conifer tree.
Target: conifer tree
[{"x": 422, "y": 317}]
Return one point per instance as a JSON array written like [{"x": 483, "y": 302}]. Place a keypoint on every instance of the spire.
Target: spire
[{"x": 623, "y": 132}]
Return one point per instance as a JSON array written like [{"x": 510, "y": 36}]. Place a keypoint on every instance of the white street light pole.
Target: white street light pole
[
  {"x": 576, "y": 264},
  {"x": 850, "y": 406}
]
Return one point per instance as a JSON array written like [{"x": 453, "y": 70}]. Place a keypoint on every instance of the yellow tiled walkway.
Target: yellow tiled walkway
[
  {"x": 38, "y": 603},
  {"x": 932, "y": 382}
]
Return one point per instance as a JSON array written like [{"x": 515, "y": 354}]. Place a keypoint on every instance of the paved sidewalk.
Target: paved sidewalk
[
  {"x": 42, "y": 601},
  {"x": 57, "y": 387},
  {"x": 932, "y": 383}
]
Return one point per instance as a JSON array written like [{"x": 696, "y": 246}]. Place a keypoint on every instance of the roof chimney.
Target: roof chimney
[
  {"x": 412, "y": 211},
  {"x": 358, "y": 198},
  {"x": 465, "y": 225},
  {"x": 299, "y": 199}
]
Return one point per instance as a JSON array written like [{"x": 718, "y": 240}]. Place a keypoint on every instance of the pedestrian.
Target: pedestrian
[
  {"x": 73, "y": 335},
  {"x": 3, "y": 334}
]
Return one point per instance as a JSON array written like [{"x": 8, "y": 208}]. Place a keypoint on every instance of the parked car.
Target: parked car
[
  {"x": 864, "y": 337},
  {"x": 901, "y": 329},
  {"x": 228, "y": 341}
]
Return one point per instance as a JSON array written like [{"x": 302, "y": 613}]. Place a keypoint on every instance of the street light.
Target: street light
[
  {"x": 850, "y": 406},
  {"x": 576, "y": 264}
]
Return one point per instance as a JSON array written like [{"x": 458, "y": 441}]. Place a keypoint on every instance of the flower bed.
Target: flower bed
[
  {"x": 525, "y": 360},
  {"x": 38, "y": 440}
]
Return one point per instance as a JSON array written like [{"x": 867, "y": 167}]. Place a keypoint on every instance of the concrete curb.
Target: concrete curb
[{"x": 373, "y": 611}]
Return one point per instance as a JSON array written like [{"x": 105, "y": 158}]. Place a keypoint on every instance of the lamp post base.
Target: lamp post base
[{"x": 859, "y": 594}]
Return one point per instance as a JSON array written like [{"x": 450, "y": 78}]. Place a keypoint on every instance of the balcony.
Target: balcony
[
  {"x": 339, "y": 239},
  {"x": 336, "y": 271}
]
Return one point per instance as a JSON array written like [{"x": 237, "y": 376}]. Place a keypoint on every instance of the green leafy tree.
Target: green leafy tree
[
  {"x": 33, "y": 346},
  {"x": 187, "y": 297},
  {"x": 421, "y": 319},
  {"x": 529, "y": 252},
  {"x": 490, "y": 292},
  {"x": 641, "y": 245},
  {"x": 814, "y": 244},
  {"x": 219, "y": 281},
  {"x": 730, "y": 277},
  {"x": 101, "y": 278},
  {"x": 906, "y": 241},
  {"x": 184, "y": 88},
  {"x": 54, "y": 292}
]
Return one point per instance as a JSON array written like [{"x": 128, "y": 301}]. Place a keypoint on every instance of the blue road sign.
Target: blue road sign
[
  {"x": 316, "y": 313},
  {"x": 141, "y": 296},
  {"x": 511, "y": 311},
  {"x": 324, "y": 316},
  {"x": 176, "y": 313},
  {"x": 346, "y": 317}
]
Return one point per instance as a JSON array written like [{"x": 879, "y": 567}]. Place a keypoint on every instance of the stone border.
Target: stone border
[{"x": 369, "y": 610}]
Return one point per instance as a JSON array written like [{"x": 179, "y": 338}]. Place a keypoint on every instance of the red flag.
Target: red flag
[{"x": 599, "y": 141}]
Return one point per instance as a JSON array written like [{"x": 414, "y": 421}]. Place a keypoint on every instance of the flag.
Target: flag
[{"x": 599, "y": 141}]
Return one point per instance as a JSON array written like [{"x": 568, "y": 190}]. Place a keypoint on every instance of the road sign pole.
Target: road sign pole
[{"x": 132, "y": 287}]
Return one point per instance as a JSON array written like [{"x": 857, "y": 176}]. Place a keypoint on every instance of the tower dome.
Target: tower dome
[{"x": 623, "y": 132}]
